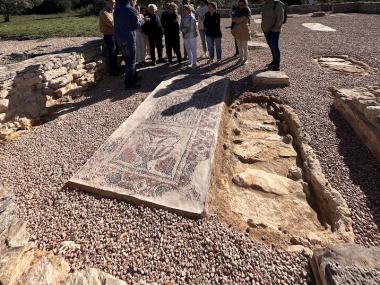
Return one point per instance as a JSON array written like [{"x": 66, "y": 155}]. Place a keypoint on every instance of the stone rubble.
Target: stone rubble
[
  {"x": 22, "y": 263},
  {"x": 344, "y": 64}
]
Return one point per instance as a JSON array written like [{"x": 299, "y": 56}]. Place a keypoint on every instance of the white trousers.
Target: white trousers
[
  {"x": 191, "y": 49},
  {"x": 243, "y": 49}
]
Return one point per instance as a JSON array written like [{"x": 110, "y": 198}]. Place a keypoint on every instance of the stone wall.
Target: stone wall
[
  {"x": 349, "y": 7},
  {"x": 361, "y": 108},
  {"x": 30, "y": 87}
]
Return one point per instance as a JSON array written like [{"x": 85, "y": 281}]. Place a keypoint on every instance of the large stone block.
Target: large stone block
[
  {"x": 271, "y": 78},
  {"x": 162, "y": 154},
  {"x": 346, "y": 264},
  {"x": 4, "y": 105},
  {"x": 61, "y": 81},
  {"x": 54, "y": 73},
  {"x": 360, "y": 107}
]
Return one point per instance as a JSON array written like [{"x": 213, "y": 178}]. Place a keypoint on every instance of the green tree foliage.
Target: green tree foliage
[{"x": 9, "y": 7}]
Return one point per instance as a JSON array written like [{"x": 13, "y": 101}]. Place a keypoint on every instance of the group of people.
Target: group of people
[{"x": 139, "y": 32}]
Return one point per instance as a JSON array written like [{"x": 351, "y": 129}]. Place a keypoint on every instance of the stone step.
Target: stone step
[
  {"x": 162, "y": 154},
  {"x": 270, "y": 78}
]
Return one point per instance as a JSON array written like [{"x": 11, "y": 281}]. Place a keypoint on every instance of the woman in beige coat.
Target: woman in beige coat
[{"x": 241, "y": 30}]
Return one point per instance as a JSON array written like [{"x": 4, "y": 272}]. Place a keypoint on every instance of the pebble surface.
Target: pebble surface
[{"x": 137, "y": 243}]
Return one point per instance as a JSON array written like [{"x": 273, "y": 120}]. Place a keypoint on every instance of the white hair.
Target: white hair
[{"x": 153, "y": 6}]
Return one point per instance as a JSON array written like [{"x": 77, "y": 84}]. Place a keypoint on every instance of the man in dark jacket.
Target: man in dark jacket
[
  {"x": 170, "y": 24},
  {"x": 272, "y": 19},
  {"x": 126, "y": 22},
  {"x": 153, "y": 29}
]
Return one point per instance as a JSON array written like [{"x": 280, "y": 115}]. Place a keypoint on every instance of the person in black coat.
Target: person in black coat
[
  {"x": 170, "y": 24},
  {"x": 153, "y": 29},
  {"x": 213, "y": 33}
]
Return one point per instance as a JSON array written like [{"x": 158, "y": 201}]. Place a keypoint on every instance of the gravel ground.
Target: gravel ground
[
  {"x": 41, "y": 46},
  {"x": 138, "y": 243}
]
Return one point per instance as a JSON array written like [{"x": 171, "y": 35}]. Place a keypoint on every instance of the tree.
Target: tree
[{"x": 8, "y": 7}]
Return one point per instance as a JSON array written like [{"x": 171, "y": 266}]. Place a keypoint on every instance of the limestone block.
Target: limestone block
[
  {"x": 2, "y": 117},
  {"x": 4, "y": 93},
  {"x": 4, "y": 105},
  {"x": 271, "y": 78},
  {"x": 318, "y": 27},
  {"x": 90, "y": 65},
  {"x": 372, "y": 113},
  {"x": 78, "y": 73},
  {"x": 68, "y": 88},
  {"x": 346, "y": 264},
  {"x": 266, "y": 182},
  {"x": 52, "y": 74},
  {"x": 61, "y": 81}
]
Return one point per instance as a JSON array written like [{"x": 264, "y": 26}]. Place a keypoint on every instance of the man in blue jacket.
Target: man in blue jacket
[{"x": 126, "y": 21}]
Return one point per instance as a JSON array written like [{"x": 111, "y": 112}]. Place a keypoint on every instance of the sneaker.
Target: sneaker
[
  {"x": 245, "y": 62},
  {"x": 161, "y": 61},
  {"x": 210, "y": 61},
  {"x": 270, "y": 65},
  {"x": 275, "y": 68},
  {"x": 153, "y": 63},
  {"x": 219, "y": 62}
]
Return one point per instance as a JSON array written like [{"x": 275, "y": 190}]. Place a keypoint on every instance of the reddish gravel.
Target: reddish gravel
[{"x": 139, "y": 243}]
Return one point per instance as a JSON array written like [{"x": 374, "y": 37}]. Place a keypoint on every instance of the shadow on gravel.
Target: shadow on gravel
[{"x": 364, "y": 170}]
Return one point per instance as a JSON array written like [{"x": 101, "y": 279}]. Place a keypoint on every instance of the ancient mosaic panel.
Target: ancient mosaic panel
[{"x": 162, "y": 154}]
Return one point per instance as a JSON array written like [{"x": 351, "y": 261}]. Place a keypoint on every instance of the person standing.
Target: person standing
[
  {"x": 200, "y": 16},
  {"x": 170, "y": 24},
  {"x": 189, "y": 31},
  {"x": 234, "y": 8},
  {"x": 140, "y": 40},
  {"x": 273, "y": 15},
  {"x": 106, "y": 27},
  {"x": 153, "y": 29},
  {"x": 241, "y": 30},
  {"x": 126, "y": 22},
  {"x": 213, "y": 33}
]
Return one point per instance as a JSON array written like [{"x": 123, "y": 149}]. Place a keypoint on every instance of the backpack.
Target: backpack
[{"x": 285, "y": 14}]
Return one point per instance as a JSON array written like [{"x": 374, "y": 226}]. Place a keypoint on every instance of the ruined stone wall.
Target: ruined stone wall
[
  {"x": 30, "y": 87},
  {"x": 349, "y": 7}
]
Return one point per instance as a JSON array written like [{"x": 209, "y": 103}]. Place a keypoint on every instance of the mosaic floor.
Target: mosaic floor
[{"x": 162, "y": 154}]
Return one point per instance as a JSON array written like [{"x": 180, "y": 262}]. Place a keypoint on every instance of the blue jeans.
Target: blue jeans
[
  {"x": 202, "y": 34},
  {"x": 212, "y": 45},
  {"x": 272, "y": 40},
  {"x": 113, "y": 50},
  {"x": 129, "y": 54}
]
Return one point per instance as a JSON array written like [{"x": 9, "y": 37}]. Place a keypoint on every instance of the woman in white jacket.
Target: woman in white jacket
[
  {"x": 189, "y": 31},
  {"x": 200, "y": 16}
]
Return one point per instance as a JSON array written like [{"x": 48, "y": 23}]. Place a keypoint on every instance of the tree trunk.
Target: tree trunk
[{"x": 6, "y": 13}]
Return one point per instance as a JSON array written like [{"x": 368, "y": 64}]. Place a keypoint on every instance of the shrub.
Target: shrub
[{"x": 53, "y": 7}]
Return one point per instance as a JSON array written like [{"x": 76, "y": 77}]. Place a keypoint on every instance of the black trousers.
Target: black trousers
[
  {"x": 155, "y": 42},
  {"x": 172, "y": 43}
]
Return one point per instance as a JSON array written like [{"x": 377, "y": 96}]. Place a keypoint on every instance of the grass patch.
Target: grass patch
[{"x": 47, "y": 26}]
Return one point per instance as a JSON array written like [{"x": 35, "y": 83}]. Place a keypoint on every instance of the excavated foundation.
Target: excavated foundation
[{"x": 268, "y": 183}]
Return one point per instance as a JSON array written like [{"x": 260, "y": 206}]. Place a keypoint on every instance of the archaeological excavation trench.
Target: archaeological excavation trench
[{"x": 267, "y": 182}]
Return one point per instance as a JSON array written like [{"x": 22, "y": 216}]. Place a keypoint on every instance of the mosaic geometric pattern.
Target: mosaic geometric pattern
[{"x": 162, "y": 154}]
